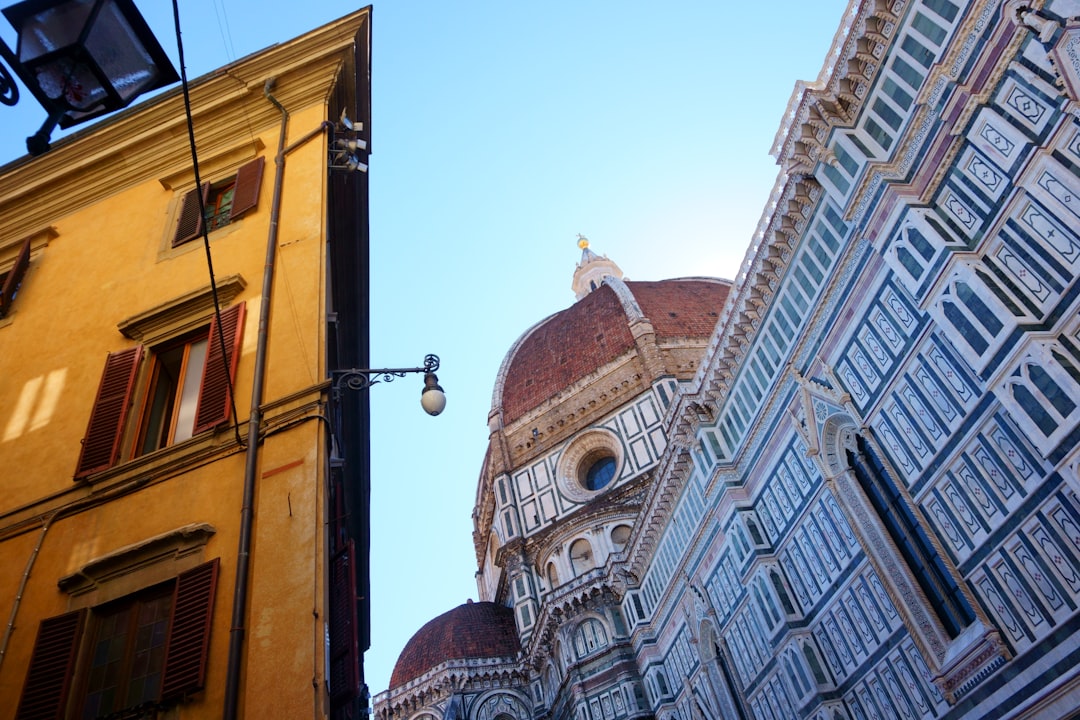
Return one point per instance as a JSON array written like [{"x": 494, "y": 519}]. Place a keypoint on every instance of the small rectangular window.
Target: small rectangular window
[
  {"x": 875, "y": 131},
  {"x": 807, "y": 285},
  {"x": 918, "y": 52},
  {"x": 907, "y": 73},
  {"x": 811, "y": 267},
  {"x": 886, "y": 113},
  {"x": 222, "y": 202},
  {"x": 900, "y": 96},
  {"x": 846, "y": 161},
  {"x": 835, "y": 220},
  {"x": 945, "y": 9},
  {"x": 839, "y": 181},
  {"x": 929, "y": 28}
]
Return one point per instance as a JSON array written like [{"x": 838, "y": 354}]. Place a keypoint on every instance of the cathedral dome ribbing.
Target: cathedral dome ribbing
[
  {"x": 598, "y": 329},
  {"x": 475, "y": 630}
]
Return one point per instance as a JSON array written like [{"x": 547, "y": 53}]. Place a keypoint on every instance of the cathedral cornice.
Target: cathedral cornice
[
  {"x": 595, "y": 590},
  {"x": 435, "y": 687}
]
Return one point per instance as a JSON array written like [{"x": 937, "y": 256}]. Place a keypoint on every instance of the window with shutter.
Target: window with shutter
[
  {"x": 344, "y": 641},
  {"x": 11, "y": 280},
  {"x": 48, "y": 679},
  {"x": 222, "y": 202},
  {"x": 186, "y": 392},
  {"x": 140, "y": 651}
]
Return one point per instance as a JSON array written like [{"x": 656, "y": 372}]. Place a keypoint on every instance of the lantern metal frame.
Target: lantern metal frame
[{"x": 79, "y": 56}]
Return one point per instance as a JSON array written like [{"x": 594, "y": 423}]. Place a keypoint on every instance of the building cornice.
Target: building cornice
[{"x": 150, "y": 140}]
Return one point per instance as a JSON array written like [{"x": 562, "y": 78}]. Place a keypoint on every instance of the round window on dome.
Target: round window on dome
[
  {"x": 591, "y": 464},
  {"x": 599, "y": 472}
]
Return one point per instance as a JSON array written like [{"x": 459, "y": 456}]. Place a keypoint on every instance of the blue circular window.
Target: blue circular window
[{"x": 600, "y": 473}]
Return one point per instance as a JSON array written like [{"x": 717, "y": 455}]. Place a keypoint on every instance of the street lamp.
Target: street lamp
[
  {"x": 81, "y": 59},
  {"x": 432, "y": 397}
]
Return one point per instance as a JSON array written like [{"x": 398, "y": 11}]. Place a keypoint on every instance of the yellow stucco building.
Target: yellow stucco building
[{"x": 160, "y": 554}]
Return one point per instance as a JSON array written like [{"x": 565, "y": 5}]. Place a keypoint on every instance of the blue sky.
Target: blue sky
[{"x": 501, "y": 130}]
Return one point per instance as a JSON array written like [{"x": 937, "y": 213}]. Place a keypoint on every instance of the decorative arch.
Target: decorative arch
[
  {"x": 590, "y": 635},
  {"x": 500, "y": 705},
  {"x": 718, "y": 686},
  {"x": 837, "y": 439}
]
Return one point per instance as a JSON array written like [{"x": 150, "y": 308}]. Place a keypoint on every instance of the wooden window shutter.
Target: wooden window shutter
[
  {"x": 218, "y": 373},
  {"x": 189, "y": 632},
  {"x": 344, "y": 641},
  {"x": 101, "y": 445},
  {"x": 189, "y": 224},
  {"x": 14, "y": 278},
  {"x": 48, "y": 680},
  {"x": 248, "y": 182}
]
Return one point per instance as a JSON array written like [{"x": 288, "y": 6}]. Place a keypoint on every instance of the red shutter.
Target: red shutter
[
  {"x": 48, "y": 679},
  {"x": 189, "y": 225},
  {"x": 248, "y": 182},
  {"x": 14, "y": 277},
  {"x": 101, "y": 446},
  {"x": 344, "y": 642},
  {"x": 189, "y": 632},
  {"x": 218, "y": 373}
]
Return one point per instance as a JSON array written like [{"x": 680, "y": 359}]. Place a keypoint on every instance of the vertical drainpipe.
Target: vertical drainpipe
[{"x": 243, "y": 554}]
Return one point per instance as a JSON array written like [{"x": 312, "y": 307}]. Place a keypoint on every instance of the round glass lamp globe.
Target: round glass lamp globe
[{"x": 433, "y": 401}]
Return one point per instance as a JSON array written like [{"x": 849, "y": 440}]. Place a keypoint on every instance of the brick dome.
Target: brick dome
[
  {"x": 569, "y": 345},
  {"x": 473, "y": 630}
]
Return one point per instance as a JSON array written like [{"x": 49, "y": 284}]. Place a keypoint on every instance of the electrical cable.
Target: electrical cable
[{"x": 205, "y": 232}]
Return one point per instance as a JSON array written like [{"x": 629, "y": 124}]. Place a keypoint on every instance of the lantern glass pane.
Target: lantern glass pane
[
  {"x": 120, "y": 53},
  {"x": 52, "y": 28}
]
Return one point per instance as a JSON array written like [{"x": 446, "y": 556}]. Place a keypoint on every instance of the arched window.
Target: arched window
[
  {"x": 589, "y": 636},
  {"x": 551, "y": 683},
  {"x": 781, "y": 592},
  {"x": 815, "y": 664},
  {"x": 620, "y": 535},
  {"x": 552, "y": 576},
  {"x": 581, "y": 556}
]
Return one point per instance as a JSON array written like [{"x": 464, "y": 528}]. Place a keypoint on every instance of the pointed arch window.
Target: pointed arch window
[{"x": 925, "y": 563}]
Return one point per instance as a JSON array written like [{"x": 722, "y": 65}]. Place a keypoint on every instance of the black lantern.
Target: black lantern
[{"x": 83, "y": 58}]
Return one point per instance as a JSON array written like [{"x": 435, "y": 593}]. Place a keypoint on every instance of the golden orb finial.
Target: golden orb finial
[{"x": 582, "y": 241}]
